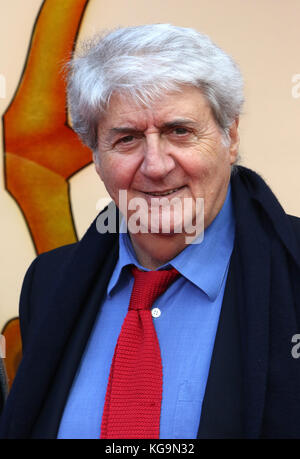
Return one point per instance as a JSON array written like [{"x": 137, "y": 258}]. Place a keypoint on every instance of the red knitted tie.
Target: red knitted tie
[{"x": 134, "y": 390}]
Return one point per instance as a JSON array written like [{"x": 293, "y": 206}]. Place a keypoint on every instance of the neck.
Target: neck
[{"x": 154, "y": 250}]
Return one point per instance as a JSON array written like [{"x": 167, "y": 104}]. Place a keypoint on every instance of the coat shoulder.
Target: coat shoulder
[
  {"x": 296, "y": 226},
  {"x": 46, "y": 266},
  {"x": 56, "y": 255}
]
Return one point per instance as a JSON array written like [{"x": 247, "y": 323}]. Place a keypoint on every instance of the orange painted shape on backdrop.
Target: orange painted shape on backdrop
[
  {"x": 37, "y": 116},
  {"x": 41, "y": 150},
  {"x": 36, "y": 129},
  {"x": 46, "y": 204}
]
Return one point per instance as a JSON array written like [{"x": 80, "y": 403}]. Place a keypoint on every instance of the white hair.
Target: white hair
[{"x": 144, "y": 62}]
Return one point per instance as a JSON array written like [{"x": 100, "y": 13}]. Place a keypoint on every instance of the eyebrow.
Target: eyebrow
[
  {"x": 134, "y": 130},
  {"x": 179, "y": 122}
]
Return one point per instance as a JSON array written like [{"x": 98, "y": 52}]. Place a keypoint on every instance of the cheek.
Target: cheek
[
  {"x": 206, "y": 176},
  {"x": 199, "y": 170},
  {"x": 117, "y": 173}
]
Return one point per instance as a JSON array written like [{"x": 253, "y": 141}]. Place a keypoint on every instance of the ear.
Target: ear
[
  {"x": 97, "y": 163},
  {"x": 234, "y": 141}
]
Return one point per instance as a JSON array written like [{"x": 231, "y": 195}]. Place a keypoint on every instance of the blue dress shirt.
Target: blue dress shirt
[{"x": 186, "y": 330}]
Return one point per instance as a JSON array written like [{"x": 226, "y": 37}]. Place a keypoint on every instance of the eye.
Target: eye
[
  {"x": 127, "y": 142},
  {"x": 180, "y": 131},
  {"x": 180, "y": 134},
  {"x": 126, "y": 139}
]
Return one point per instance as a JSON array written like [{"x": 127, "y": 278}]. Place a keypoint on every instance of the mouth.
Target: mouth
[{"x": 163, "y": 192}]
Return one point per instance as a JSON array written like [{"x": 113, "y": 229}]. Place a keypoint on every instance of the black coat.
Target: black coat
[{"x": 253, "y": 387}]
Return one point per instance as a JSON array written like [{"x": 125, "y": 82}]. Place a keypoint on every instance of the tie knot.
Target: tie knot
[{"x": 149, "y": 285}]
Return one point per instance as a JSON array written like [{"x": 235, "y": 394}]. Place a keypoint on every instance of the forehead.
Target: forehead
[{"x": 123, "y": 110}]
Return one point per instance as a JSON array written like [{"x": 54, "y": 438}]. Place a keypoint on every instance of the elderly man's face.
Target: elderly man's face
[{"x": 174, "y": 147}]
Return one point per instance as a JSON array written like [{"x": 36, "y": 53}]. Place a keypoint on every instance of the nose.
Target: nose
[{"x": 158, "y": 162}]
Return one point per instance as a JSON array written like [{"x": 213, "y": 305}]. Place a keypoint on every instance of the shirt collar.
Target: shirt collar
[{"x": 204, "y": 264}]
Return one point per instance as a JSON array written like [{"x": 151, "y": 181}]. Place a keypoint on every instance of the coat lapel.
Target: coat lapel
[
  {"x": 222, "y": 409},
  {"x": 236, "y": 387},
  {"x": 253, "y": 283},
  {"x": 49, "y": 347},
  {"x": 254, "y": 310},
  {"x": 47, "y": 424}
]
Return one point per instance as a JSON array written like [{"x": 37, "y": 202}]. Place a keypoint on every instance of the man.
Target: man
[{"x": 159, "y": 106}]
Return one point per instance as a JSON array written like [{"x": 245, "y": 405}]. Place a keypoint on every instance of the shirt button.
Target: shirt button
[{"x": 156, "y": 312}]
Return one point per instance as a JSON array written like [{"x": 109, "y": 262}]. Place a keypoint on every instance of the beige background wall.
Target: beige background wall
[{"x": 263, "y": 36}]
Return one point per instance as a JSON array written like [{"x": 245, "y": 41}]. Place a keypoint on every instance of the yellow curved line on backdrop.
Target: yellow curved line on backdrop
[
  {"x": 36, "y": 128},
  {"x": 41, "y": 151}
]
